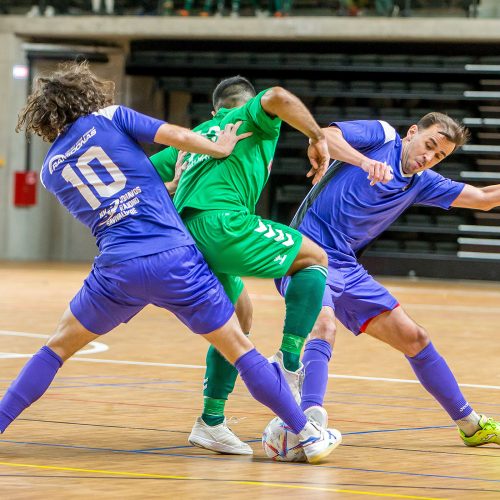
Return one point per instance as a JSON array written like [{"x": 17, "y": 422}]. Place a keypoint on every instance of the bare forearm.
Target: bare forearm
[
  {"x": 289, "y": 108},
  {"x": 484, "y": 198},
  {"x": 186, "y": 140}
]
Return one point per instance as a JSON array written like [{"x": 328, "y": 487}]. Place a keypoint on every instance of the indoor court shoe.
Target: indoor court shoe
[
  {"x": 294, "y": 379},
  {"x": 219, "y": 438},
  {"x": 488, "y": 433},
  {"x": 320, "y": 443},
  {"x": 318, "y": 415}
]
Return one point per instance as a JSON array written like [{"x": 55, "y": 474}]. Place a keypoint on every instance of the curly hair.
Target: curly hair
[{"x": 61, "y": 98}]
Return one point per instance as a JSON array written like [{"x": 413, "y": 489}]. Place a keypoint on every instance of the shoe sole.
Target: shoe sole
[
  {"x": 214, "y": 446},
  {"x": 318, "y": 458}
]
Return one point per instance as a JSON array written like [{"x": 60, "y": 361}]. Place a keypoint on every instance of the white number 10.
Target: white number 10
[{"x": 104, "y": 190}]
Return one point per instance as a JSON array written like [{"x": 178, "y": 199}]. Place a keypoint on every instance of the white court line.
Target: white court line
[
  {"x": 409, "y": 305},
  {"x": 202, "y": 367},
  {"x": 94, "y": 347}
]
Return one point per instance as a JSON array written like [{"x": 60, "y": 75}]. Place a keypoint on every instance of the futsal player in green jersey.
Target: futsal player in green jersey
[{"x": 216, "y": 200}]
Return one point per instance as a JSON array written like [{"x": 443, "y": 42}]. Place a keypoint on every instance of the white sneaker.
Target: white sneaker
[
  {"x": 318, "y": 415},
  {"x": 317, "y": 442},
  {"x": 49, "y": 11},
  {"x": 219, "y": 438}
]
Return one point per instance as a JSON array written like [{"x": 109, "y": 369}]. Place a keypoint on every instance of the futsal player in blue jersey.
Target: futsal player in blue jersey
[
  {"x": 99, "y": 173},
  {"x": 343, "y": 215}
]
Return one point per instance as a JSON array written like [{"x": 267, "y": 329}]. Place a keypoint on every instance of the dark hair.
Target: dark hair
[
  {"x": 453, "y": 131},
  {"x": 232, "y": 92},
  {"x": 61, "y": 98}
]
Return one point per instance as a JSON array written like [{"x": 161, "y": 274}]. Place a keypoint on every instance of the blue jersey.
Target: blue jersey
[
  {"x": 348, "y": 213},
  {"x": 99, "y": 172}
]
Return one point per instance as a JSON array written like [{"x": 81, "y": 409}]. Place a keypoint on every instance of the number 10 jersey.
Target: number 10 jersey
[{"x": 99, "y": 172}]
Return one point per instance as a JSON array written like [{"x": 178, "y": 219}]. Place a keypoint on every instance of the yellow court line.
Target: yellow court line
[{"x": 187, "y": 478}]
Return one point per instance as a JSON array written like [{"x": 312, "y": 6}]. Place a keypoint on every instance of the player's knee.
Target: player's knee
[
  {"x": 416, "y": 339},
  {"x": 310, "y": 255},
  {"x": 324, "y": 329}
]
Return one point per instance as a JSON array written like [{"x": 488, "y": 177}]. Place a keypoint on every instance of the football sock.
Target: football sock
[
  {"x": 31, "y": 383},
  {"x": 303, "y": 301},
  {"x": 213, "y": 410},
  {"x": 433, "y": 372},
  {"x": 317, "y": 354},
  {"x": 220, "y": 377},
  {"x": 266, "y": 384}
]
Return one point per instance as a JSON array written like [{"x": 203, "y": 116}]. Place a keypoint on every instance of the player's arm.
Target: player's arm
[
  {"x": 484, "y": 198},
  {"x": 186, "y": 140},
  {"x": 279, "y": 102},
  {"x": 341, "y": 150}
]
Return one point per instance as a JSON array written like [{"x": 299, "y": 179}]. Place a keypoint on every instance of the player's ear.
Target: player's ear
[
  {"x": 213, "y": 113},
  {"x": 412, "y": 131}
]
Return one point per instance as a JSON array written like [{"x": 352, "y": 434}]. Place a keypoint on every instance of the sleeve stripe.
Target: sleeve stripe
[{"x": 389, "y": 131}]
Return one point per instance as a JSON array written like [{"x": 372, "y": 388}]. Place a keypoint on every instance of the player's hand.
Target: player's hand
[
  {"x": 180, "y": 167},
  {"x": 377, "y": 171},
  {"x": 319, "y": 158},
  {"x": 227, "y": 139}
]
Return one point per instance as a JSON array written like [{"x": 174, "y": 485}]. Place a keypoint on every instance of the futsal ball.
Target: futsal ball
[{"x": 281, "y": 443}]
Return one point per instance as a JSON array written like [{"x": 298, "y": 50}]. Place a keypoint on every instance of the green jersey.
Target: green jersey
[{"x": 232, "y": 183}]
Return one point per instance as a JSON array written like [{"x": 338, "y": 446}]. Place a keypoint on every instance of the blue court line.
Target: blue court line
[
  {"x": 344, "y": 434},
  {"x": 239, "y": 459}
]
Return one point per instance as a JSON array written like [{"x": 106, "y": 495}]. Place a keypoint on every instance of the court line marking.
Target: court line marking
[
  {"x": 103, "y": 347},
  {"x": 202, "y": 367},
  {"x": 244, "y": 483},
  {"x": 95, "y": 347}
]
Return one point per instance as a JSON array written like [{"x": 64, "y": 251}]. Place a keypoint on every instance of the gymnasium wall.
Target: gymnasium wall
[{"x": 44, "y": 231}]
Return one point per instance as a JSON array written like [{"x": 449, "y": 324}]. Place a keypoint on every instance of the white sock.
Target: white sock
[{"x": 469, "y": 425}]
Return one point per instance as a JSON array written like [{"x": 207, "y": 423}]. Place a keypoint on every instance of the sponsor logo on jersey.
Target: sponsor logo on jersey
[
  {"x": 120, "y": 208},
  {"x": 56, "y": 160}
]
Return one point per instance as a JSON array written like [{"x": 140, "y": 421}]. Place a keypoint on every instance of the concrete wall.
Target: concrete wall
[{"x": 46, "y": 231}]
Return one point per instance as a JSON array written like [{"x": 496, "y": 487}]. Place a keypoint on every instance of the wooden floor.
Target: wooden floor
[{"x": 115, "y": 422}]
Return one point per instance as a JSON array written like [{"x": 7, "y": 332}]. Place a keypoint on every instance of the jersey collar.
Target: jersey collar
[{"x": 407, "y": 175}]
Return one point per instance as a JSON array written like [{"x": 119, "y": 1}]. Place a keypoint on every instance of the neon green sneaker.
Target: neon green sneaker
[{"x": 489, "y": 433}]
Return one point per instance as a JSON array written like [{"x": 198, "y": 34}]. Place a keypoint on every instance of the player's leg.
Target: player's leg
[
  {"x": 38, "y": 373},
  {"x": 316, "y": 358},
  {"x": 266, "y": 383},
  {"x": 239, "y": 244},
  {"x": 198, "y": 299},
  {"x": 91, "y": 313},
  {"x": 220, "y": 375},
  {"x": 398, "y": 330},
  {"x": 210, "y": 431},
  {"x": 303, "y": 300}
]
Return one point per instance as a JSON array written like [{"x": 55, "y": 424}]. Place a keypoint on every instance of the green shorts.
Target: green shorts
[{"x": 238, "y": 244}]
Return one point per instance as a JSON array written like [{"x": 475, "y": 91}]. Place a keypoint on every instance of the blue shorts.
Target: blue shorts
[
  {"x": 353, "y": 294},
  {"x": 178, "y": 280}
]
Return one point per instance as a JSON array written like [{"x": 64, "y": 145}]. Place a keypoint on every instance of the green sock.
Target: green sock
[
  {"x": 213, "y": 411},
  {"x": 220, "y": 377},
  {"x": 291, "y": 347},
  {"x": 303, "y": 301}
]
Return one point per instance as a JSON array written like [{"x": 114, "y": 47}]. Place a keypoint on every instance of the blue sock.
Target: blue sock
[
  {"x": 317, "y": 354},
  {"x": 30, "y": 384},
  {"x": 267, "y": 385},
  {"x": 433, "y": 372}
]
